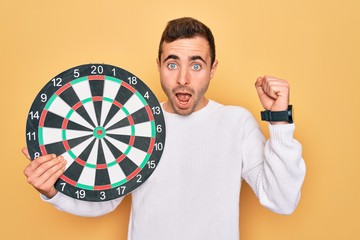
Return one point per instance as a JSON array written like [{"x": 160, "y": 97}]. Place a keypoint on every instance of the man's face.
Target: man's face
[{"x": 185, "y": 73}]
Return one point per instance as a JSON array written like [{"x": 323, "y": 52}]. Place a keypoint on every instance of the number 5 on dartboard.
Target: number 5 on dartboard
[{"x": 105, "y": 122}]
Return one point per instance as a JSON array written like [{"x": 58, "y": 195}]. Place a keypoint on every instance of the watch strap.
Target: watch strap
[{"x": 278, "y": 116}]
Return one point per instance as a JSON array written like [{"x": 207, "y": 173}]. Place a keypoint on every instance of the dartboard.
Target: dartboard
[{"x": 105, "y": 122}]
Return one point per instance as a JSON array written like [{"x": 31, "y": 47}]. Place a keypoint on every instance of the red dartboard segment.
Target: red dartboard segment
[
  {"x": 128, "y": 87},
  {"x": 131, "y": 120},
  {"x": 116, "y": 103},
  {"x": 65, "y": 123},
  {"x": 77, "y": 105},
  {"x": 151, "y": 146},
  {"x": 61, "y": 90},
  {"x": 80, "y": 161},
  {"x": 100, "y": 158},
  {"x": 66, "y": 145},
  {"x": 42, "y": 118},
  {"x": 101, "y": 166},
  {"x": 132, "y": 175},
  {"x": 68, "y": 180},
  {"x": 103, "y": 187},
  {"x": 148, "y": 110},
  {"x": 119, "y": 159},
  {"x": 96, "y": 77},
  {"x": 132, "y": 140},
  {"x": 97, "y": 99},
  {"x": 43, "y": 150}
]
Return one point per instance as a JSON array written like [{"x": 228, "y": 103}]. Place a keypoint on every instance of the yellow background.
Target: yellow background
[{"x": 313, "y": 44}]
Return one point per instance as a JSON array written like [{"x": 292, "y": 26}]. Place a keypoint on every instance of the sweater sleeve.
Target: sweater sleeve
[
  {"x": 82, "y": 208},
  {"x": 274, "y": 169}
]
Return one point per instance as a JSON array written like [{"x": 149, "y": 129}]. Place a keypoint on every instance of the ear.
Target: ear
[
  {"x": 158, "y": 64},
  {"x": 213, "y": 69}
]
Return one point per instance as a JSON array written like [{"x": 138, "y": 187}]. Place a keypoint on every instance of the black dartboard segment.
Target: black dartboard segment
[{"x": 105, "y": 122}]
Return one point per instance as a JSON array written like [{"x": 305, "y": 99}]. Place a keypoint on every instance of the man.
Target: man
[{"x": 194, "y": 192}]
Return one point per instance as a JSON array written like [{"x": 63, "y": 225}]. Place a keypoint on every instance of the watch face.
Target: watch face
[{"x": 105, "y": 122}]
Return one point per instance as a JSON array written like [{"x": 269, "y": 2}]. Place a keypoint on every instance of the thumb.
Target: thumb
[
  {"x": 264, "y": 98},
  {"x": 259, "y": 82},
  {"x": 259, "y": 87}
]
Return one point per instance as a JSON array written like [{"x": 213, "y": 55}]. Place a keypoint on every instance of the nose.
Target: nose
[{"x": 183, "y": 77}]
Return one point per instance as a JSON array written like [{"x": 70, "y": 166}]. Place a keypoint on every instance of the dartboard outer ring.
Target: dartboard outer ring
[{"x": 107, "y": 124}]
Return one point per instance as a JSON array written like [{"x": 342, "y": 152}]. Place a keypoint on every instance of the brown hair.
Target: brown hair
[{"x": 187, "y": 28}]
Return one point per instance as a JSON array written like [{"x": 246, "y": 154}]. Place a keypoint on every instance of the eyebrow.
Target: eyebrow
[
  {"x": 192, "y": 58},
  {"x": 171, "y": 56},
  {"x": 197, "y": 58}
]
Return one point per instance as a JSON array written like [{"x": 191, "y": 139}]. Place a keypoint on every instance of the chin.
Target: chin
[{"x": 184, "y": 112}]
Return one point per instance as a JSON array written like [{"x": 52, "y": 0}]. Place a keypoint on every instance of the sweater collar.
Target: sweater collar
[{"x": 193, "y": 115}]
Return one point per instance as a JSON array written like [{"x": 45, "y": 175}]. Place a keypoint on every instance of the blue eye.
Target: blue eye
[
  {"x": 172, "y": 66},
  {"x": 196, "y": 67}
]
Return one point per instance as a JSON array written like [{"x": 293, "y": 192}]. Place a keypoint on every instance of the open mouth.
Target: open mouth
[{"x": 183, "y": 98}]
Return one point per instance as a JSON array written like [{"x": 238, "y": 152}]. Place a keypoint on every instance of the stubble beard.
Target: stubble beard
[{"x": 195, "y": 97}]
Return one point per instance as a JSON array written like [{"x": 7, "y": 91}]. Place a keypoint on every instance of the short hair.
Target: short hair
[{"x": 187, "y": 27}]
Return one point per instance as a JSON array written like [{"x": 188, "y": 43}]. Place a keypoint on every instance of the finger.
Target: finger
[
  {"x": 275, "y": 87},
  {"x": 275, "y": 81},
  {"x": 41, "y": 164},
  {"x": 49, "y": 167},
  {"x": 46, "y": 181},
  {"x": 51, "y": 177},
  {"x": 46, "y": 186},
  {"x": 50, "y": 170},
  {"x": 26, "y": 153},
  {"x": 272, "y": 90},
  {"x": 263, "y": 84},
  {"x": 267, "y": 82}
]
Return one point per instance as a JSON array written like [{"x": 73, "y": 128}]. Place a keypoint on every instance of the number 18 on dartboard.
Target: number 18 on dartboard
[{"x": 105, "y": 122}]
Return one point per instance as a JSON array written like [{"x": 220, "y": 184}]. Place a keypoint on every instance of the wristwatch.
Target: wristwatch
[{"x": 278, "y": 116}]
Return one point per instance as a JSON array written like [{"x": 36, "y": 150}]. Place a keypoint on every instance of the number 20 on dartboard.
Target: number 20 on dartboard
[{"x": 105, "y": 122}]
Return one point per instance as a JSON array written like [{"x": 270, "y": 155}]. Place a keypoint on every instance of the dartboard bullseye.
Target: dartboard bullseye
[{"x": 105, "y": 122}]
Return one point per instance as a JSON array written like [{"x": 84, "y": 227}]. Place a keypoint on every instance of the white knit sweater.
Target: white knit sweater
[{"x": 194, "y": 192}]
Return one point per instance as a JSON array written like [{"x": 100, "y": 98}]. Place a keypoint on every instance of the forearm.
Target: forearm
[{"x": 277, "y": 180}]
